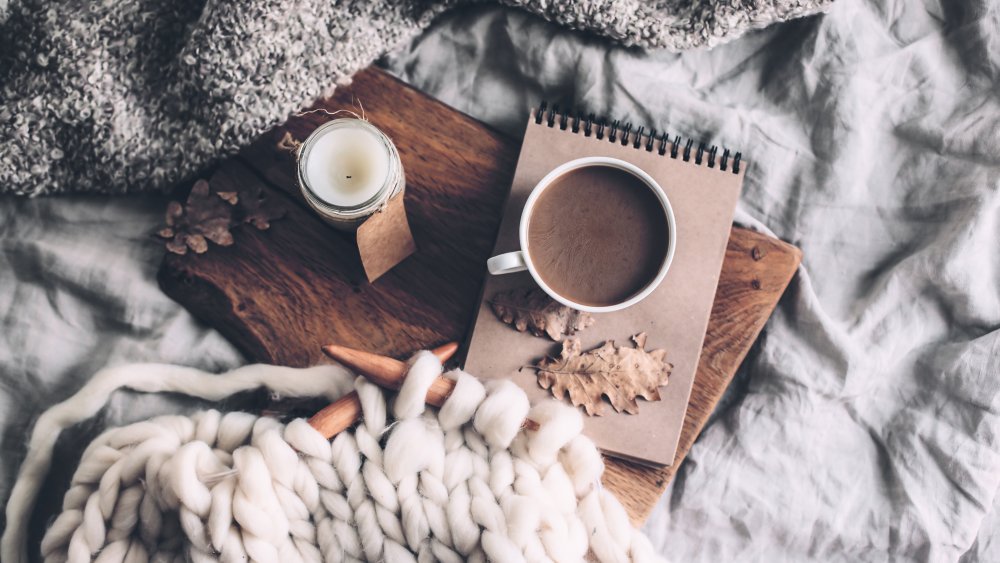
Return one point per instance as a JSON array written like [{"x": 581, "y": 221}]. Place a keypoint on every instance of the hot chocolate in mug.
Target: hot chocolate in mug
[{"x": 597, "y": 234}]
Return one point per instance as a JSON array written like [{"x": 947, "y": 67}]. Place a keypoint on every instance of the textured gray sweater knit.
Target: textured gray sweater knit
[{"x": 133, "y": 95}]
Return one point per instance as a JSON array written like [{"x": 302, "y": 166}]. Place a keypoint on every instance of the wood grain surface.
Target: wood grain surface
[{"x": 281, "y": 294}]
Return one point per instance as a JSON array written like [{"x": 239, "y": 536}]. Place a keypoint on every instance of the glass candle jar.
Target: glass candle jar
[{"x": 347, "y": 170}]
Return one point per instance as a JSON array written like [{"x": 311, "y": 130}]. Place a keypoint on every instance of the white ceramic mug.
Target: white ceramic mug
[{"x": 520, "y": 260}]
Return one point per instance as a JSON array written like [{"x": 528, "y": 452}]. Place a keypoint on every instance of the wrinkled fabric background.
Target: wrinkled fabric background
[{"x": 865, "y": 426}]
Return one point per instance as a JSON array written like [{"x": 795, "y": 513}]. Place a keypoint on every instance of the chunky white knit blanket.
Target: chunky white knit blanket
[{"x": 462, "y": 483}]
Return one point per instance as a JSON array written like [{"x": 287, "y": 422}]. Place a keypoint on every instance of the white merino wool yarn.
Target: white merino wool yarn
[{"x": 461, "y": 483}]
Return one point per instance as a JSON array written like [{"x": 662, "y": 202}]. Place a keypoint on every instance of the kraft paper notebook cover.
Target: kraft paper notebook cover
[{"x": 703, "y": 186}]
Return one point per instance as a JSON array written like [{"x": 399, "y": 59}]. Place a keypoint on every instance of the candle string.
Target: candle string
[
  {"x": 332, "y": 113},
  {"x": 354, "y": 100},
  {"x": 289, "y": 143}
]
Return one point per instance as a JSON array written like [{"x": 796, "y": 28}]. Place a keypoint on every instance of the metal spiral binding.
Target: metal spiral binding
[{"x": 616, "y": 132}]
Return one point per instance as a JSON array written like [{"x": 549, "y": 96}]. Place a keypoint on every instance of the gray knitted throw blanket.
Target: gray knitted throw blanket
[{"x": 138, "y": 95}]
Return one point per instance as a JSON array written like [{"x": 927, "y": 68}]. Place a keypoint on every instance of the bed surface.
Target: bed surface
[{"x": 874, "y": 390}]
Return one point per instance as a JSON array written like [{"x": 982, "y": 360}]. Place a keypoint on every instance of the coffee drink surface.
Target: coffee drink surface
[{"x": 597, "y": 235}]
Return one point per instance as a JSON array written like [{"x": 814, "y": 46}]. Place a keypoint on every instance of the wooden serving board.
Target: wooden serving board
[{"x": 280, "y": 294}]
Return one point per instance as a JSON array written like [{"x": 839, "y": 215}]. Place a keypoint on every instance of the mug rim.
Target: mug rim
[{"x": 612, "y": 162}]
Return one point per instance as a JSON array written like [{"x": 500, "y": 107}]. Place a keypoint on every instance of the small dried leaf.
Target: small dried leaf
[
  {"x": 221, "y": 237},
  {"x": 288, "y": 143},
  {"x": 254, "y": 209},
  {"x": 177, "y": 247},
  {"x": 197, "y": 243},
  {"x": 618, "y": 373},
  {"x": 203, "y": 218},
  {"x": 209, "y": 216},
  {"x": 532, "y": 309}
]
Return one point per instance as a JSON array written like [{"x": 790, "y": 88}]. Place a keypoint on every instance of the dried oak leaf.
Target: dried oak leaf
[
  {"x": 255, "y": 209},
  {"x": 621, "y": 374},
  {"x": 532, "y": 309},
  {"x": 205, "y": 217}
]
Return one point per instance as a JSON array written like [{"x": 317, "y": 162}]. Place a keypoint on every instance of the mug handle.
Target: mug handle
[{"x": 507, "y": 263}]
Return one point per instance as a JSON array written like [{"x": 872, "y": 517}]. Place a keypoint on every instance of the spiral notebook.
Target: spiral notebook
[{"x": 703, "y": 185}]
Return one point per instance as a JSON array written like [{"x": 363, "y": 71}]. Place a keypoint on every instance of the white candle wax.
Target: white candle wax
[{"x": 347, "y": 166}]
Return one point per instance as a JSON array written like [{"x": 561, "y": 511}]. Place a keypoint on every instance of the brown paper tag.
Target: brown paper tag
[{"x": 384, "y": 239}]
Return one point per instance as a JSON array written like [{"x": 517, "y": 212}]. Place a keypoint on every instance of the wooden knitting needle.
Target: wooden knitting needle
[
  {"x": 384, "y": 372},
  {"x": 381, "y": 370},
  {"x": 390, "y": 373}
]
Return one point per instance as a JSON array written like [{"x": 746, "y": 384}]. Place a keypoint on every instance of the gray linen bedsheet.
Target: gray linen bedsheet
[{"x": 863, "y": 427}]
